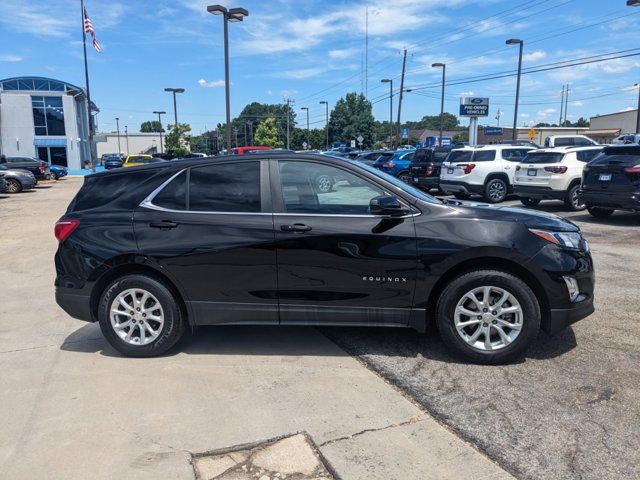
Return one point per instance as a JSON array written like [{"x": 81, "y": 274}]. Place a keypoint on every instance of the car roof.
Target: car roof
[{"x": 568, "y": 149}]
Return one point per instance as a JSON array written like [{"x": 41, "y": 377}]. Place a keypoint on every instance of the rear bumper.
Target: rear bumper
[
  {"x": 77, "y": 306},
  {"x": 463, "y": 187},
  {"x": 613, "y": 200},
  {"x": 540, "y": 193},
  {"x": 431, "y": 182}
]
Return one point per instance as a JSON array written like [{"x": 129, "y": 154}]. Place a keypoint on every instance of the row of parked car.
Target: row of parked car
[
  {"x": 18, "y": 174},
  {"x": 596, "y": 177}
]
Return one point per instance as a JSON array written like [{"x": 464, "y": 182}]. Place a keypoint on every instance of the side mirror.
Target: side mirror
[{"x": 388, "y": 206}]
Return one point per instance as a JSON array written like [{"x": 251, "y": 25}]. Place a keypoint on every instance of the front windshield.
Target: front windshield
[{"x": 398, "y": 183}]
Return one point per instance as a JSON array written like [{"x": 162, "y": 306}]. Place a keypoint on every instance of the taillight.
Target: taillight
[
  {"x": 467, "y": 167},
  {"x": 555, "y": 169},
  {"x": 64, "y": 228},
  {"x": 634, "y": 169},
  {"x": 429, "y": 169},
  {"x": 389, "y": 165},
  {"x": 42, "y": 168}
]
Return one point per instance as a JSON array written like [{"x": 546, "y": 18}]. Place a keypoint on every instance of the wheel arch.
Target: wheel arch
[
  {"x": 500, "y": 175},
  {"x": 489, "y": 263}
]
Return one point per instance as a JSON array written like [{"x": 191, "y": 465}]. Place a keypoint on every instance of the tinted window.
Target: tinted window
[
  {"x": 304, "y": 189},
  {"x": 583, "y": 142},
  {"x": 587, "y": 155},
  {"x": 423, "y": 156},
  {"x": 543, "y": 157},
  {"x": 564, "y": 142},
  {"x": 628, "y": 156},
  {"x": 484, "y": 155},
  {"x": 231, "y": 187},
  {"x": 174, "y": 195},
  {"x": 514, "y": 154},
  {"x": 459, "y": 156}
]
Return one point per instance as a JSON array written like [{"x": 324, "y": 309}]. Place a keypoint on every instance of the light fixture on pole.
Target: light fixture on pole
[
  {"x": 228, "y": 15},
  {"x": 326, "y": 127},
  {"x": 160, "y": 126},
  {"x": 175, "y": 105},
  {"x": 118, "y": 130},
  {"x": 444, "y": 70},
  {"x": 516, "y": 41},
  {"x": 390, "y": 82},
  {"x": 307, "y": 109}
]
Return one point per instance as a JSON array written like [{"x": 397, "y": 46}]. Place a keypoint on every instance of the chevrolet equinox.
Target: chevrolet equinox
[{"x": 151, "y": 250}]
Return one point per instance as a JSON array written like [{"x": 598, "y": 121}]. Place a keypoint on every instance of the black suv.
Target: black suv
[
  {"x": 611, "y": 181},
  {"x": 149, "y": 250},
  {"x": 425, "y": 166},
  {"x": 39, "y": 168}
]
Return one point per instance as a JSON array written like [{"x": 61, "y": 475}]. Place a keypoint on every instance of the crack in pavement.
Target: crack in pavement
[{"x": 410, "y": 421}]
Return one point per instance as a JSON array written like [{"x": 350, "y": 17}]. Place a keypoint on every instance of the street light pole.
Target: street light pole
[
  {"x": 638, "y": 112},
  {"x": 228, "y": 15},
  {"x": 326, "y": 127},
  {"x": 118, "y": 129},
  {"x": 516, "y": 41},
  {"x": 175, "y": 104},
  {"x": 444, "y": 69},
  {"x": 307, "y": 109},
  {"x": 390, "y": 82},
  {"x": 160, "y": 122},
  {"x": 126, "y": 134}
]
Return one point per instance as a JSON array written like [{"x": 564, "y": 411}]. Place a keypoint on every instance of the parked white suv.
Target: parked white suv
[
  {"x": 488, "y": 170},
  {"x": 553, "y": 174},
  {"x": 568, "y": 141}
]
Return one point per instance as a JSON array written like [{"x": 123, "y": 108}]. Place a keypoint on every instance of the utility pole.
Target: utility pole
[
  {"x": 235, "y": 131},
  {"x": 404, "y": 66},
  {"x": 118, "y": 129},
  {"x": 561, "y": 107},
  {"x": 289, "y": 102},
  {"x": 566, "y": 104},
  {"x": 250, "y": 123},
  {"x": 498, "y": 115},
  {"x": 366, "y": 54},
  {"x": 638, "y": 113}
]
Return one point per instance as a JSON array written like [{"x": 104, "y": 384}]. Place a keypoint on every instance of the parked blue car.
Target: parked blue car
[
  {"x": 398, "y": 165},
  {"x": 57, "y": 172}
]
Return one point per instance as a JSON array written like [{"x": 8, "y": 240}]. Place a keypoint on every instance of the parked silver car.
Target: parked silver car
[{"x": 17, "y": 180}]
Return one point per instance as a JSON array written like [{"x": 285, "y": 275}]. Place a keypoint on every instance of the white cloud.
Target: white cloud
[
  {"x": 628, "y": 109},
  {"x": 632, "y": 88},
  {"x": 542, "y": 114},
  {"x": 302, "y": 73},
  {"x": 467, "y": 94},
  {"x": 269, "y": 92},
  {"x": 524, "y": 115},
  {"x": 10, "y": 58},
  {"x": 534, "y": 56},
  {"x": 215, "y": 83},
  {"x": 288, "y": 93},
  {"x": 342, "y": 54},
  {"x": 577, "y": 103}
]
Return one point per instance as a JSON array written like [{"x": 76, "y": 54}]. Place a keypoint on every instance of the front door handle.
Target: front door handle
[
  {"x": 296, "y": 227},
  {"x": 163, "y": 224}
]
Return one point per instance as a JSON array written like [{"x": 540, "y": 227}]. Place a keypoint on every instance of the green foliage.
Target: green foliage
[
  {"x": 432, "y": 122},
  {"x": 267, "y": 134},
  {"x": 255, "y": 113},
  {"x": 151, "y": 126},
  {"x": 352, "y": 117},
  {"x": 316, "y": 138},
  {"x": 177, "y": 140}
]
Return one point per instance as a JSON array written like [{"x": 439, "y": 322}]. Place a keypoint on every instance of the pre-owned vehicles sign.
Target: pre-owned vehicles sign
[{"x": 474, "y": 107}]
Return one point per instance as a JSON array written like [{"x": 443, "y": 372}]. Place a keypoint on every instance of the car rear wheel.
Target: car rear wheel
[
  {"x": 495, "y": 191},
  {"x": 405, "y": 177},
  {"x": 572, "y": 200},
  {"x": 529, "y": 202},
  {"x": 600, "y": 212},
  {"x": 13, "y": 186},
  {"x": 139, "y": 316},
  {"x": 488, "y": 316}
]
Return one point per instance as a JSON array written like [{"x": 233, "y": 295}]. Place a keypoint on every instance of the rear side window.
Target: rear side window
[
  {"x": 587, "y": 155},
  {"x": 484, "y": 155},
  {"x": 564, "y": 142},
  {"x": 514, "y": 154},
  {"x": 459, "y": 156},
  {"x": 231, "y": 187},
  {"x": 174, "y": 195},
  {"x": 422, "y": 156},
  {"x": 627, "y": 157}
]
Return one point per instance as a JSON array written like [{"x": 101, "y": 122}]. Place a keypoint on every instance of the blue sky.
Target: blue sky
[{"x": 313, "y": 50}]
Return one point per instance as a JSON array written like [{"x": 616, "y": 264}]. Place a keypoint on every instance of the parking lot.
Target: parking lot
[{"x": 565, "y": 411}]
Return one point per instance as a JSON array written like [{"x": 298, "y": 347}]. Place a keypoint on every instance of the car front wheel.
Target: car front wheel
[
  {"x": 488, "y": 316},
  {"x": 13, "y": 186},
  {"x": 405, "y": 177},
  {"x": 139, "y": 316}
]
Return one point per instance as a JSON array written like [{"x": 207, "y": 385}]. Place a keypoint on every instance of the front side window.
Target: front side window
[
  {"x": 231, "y": 187},
  {"x": 324, "y": 189}
]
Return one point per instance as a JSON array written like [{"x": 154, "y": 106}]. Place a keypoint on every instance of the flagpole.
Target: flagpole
[{"x": 86, "y": 78}]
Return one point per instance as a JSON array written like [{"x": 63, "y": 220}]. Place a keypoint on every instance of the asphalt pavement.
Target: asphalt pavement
[{"x": 571, "y": 408}]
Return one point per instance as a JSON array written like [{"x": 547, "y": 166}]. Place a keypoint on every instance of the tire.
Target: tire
[
  {"x": 405, "y": 177},
  {"x": 529, "y": 202},
  {"x": 572, "y": 199},
  {"x": 501, "y": 351},
  {"x": 496, "y": 190},
  {"x": 167, "y": 333},
  {"x": 324, "y": 183},
  {"x": 55, "y": 176},
  {"x": 461, "y": 195},
  {"x": 600, "y": 212},
  {"x": 13, "y": 186}
]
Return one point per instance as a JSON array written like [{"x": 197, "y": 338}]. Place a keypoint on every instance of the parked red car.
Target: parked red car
[{"x": 245, "y": 150}]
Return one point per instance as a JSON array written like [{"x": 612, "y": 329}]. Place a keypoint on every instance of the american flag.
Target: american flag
[{"x": 88, "y": 28}]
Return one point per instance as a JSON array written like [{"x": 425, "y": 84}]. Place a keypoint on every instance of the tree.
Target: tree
[
  {"x": 432, "y": 122},
  {"x": 582, "y": 122},
  {"x": 267, "y": 134},
  {"x": 151, "y": 126},
  {"x": 352, "y": 117},
  {"x": 177, "y": 140}
]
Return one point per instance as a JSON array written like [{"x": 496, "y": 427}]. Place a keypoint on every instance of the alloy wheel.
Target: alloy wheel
[
  {"x": 497, "y": 190},
  {"x": 575, "y": 200},
  {"x": 488, "y": 318},
  {"x": 136, "y": 316},
  {"x": 13, "y": 186}
]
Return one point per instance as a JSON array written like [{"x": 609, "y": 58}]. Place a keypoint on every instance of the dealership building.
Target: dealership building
[{"x": 46, "y": 119}]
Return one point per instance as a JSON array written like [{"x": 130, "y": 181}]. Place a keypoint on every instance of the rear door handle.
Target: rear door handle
[
  {"x": 163, "y": 224},
  {"x": 296, "y": 227}
]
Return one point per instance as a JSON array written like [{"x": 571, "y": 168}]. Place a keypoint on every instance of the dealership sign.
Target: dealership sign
[
  {"x": 474, "y": 107},
  {"x": 493, "y": 131}
]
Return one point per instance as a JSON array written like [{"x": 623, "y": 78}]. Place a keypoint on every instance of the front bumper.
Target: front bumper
[
  {"x": 613, "y": 200},
  {"x": 540, "y": 193},
  {"x": 561, "y": 318}
]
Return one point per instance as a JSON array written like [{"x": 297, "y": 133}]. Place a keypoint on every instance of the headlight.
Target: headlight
[
  {"x": 564, "y": 239},
  {"x": 24, "y": 174}
]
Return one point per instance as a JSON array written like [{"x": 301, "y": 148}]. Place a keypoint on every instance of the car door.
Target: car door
[
  {"x": 211, "y": 229},
  {"x": 338, "y": 263}
]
